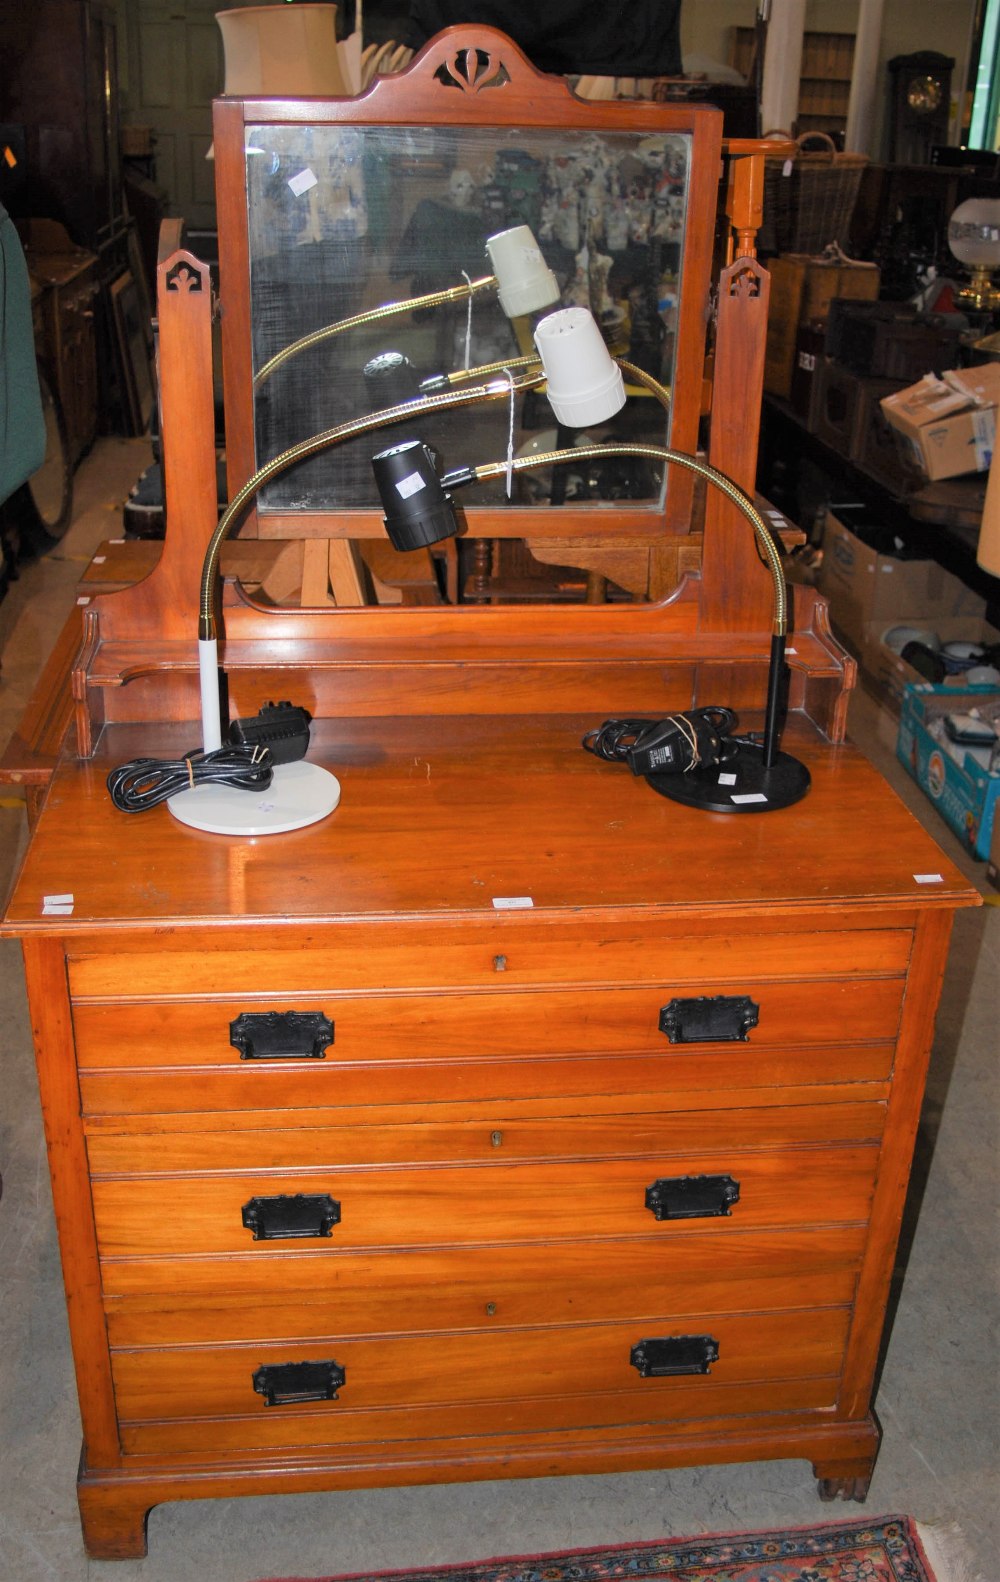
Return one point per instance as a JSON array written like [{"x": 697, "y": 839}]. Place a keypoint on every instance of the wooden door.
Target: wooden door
[{"x": 175, "y": 69}]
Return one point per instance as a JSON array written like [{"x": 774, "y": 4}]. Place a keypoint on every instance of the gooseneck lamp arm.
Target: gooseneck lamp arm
[
  {"x": 767, "y": 547},
  {"x": 208, "y": 654},
  {"x": 459, "y": 376},
  {"x": 523, "y": 280},
  {"x": 748, "y": 774},
  {"x": 387, "y": 310}
]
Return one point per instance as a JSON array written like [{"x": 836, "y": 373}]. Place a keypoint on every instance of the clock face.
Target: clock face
[{"x": 923, "y": 95}]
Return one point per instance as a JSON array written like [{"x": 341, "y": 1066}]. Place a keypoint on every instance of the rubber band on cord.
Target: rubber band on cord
[
  {"x": 468, "y": 324},
  {"x": 510, "y": 434},
  {"x": 687, "y": 730}
]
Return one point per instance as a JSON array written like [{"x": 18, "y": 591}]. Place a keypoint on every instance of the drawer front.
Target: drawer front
[
  {"x": 413, "y": 1206},
  {"x": 742, "y": 1073},
  {"x": 513, "y": 950},
  {"x": 390, "y": 1028},
  {"x": 223, "y": 1300},
  {"x": 178, "y": 1055},
  {"x": 494, "y": 1139},
  {"x": 478, "y": 1383}
]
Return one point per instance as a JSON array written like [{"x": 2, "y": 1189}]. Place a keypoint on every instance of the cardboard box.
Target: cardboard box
[
  {"x": 833, "y": 414},
  {"x": 866, "y": 580},
  {"x": 875, "y": 448},
  {"x": 802, "y": 289},
  {"x": 886, "y": 674},
  {"x": 948, "y": 423},
  {"x": 993, "y": 864},
  {"x": 963, "y": 790}
]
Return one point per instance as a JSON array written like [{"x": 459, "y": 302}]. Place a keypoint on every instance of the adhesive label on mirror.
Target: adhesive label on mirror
[{"x": 303, "y": 182}]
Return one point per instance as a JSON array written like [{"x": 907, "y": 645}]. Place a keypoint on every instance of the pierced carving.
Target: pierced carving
[
  {"x": 745, "y": 282},
  {"x": 183, "y": 278},
  {"x": 472, "y": 70}
]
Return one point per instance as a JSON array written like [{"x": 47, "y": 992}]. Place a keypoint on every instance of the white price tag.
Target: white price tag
[{"x": 303, "y": 181}]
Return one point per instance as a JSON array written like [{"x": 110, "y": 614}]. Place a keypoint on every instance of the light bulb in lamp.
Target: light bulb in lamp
[{"x": 974, "y": 239}]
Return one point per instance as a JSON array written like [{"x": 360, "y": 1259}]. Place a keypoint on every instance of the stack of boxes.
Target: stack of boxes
[{"x": 856, "y": 371}]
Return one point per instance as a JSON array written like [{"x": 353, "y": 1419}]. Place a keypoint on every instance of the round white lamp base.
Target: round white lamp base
[{"x": 299, "y": 794}]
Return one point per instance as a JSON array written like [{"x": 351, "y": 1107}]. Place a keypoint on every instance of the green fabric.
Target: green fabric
[{"x": 22, "y": 426}]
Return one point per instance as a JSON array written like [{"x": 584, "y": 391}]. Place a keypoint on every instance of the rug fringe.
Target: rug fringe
[{"x": 947, "y": 1552}]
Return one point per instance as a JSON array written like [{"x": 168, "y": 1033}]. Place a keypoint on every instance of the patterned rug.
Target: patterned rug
[{"x": 886, "y": 1549}]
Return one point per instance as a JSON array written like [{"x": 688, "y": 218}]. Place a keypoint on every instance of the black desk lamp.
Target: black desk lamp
[{"x": 585, "y": 386}]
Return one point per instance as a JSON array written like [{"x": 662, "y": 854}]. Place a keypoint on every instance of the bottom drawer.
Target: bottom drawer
[{"x": 204, "y": 1398}]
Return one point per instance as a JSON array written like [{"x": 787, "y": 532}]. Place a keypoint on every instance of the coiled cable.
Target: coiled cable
[{"x": 144, "y": 782}]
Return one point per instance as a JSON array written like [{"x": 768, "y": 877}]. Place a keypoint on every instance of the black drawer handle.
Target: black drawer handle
[
  {"x": 289, "y": 1217},
  {"x": 692, "y": 1197},
  {"x": 716, "y": 1019},
  {"x": 281, "y": 1035},
  {"x": 672, "y": 1355},
  {"x": 288, "y": 1383}
]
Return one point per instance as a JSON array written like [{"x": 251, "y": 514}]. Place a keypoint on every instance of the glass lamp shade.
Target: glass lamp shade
[{"x": 974, "y": 233}]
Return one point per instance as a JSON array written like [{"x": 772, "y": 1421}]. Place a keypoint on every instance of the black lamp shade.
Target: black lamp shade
[
  {"x": 417, "y": 510},
  {"x": 390, "y": 378}
]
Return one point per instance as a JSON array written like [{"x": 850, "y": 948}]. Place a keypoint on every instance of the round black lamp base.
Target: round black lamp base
[{"x": 740, "y": 785}]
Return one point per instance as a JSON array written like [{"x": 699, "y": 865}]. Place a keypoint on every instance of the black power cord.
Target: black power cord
[
  {"x": 696, "y": 739},
  {"x": 145, "y": 782},
  {"x": 277, "y": 734}
]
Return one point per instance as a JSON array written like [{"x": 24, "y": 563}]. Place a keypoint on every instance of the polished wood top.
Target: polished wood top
[{"x": 440, "y": 817}]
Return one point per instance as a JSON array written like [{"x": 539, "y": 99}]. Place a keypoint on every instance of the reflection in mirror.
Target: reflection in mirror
[{"x": 345, "y": 219}]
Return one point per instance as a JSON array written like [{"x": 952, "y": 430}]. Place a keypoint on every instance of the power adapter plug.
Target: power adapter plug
[{"x": 283, "y": 728}]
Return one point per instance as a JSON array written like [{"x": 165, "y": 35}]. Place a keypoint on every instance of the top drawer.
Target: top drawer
[{"x": 509, "y": 951}]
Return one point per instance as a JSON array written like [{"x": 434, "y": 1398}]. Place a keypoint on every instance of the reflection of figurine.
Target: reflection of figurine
[
  {"x": 601, "y": 304},
  {"x": 639, "y": 217},
  {"x": 668, "y": 215},
  {"x": 461, "y": 189},
  {"x": 616, "y": 225},
  {"x": 589, "y": 286},
  {"x": 577, "y": 293}
]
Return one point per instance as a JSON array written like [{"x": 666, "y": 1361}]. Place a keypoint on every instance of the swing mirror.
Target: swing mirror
[{"x": 341, "y": 207}]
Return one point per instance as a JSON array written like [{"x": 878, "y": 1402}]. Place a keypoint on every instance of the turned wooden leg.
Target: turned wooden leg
[{"x": 113, "y": 1522}]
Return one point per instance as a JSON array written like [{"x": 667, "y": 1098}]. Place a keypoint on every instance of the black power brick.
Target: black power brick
[{"x": 283, "y": 728}]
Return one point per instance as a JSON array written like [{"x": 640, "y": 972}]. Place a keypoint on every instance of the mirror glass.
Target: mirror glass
[{"x": 343, "y": 219}]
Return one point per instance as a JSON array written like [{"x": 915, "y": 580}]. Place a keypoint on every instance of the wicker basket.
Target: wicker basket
[{"x": 809, "y": 199}]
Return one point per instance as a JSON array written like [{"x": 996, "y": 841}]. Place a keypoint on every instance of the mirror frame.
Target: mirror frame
[{"x": 474, "y": 77}]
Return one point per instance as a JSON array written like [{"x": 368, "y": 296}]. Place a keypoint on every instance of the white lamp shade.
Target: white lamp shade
[
  {"x": 525, "y": 283},
  {"x": 289, "y": 50},
  {"x": 974, "y": 233},
  {"x": 584, "y": 383}
]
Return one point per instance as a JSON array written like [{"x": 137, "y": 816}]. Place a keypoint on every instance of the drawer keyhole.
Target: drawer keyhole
[
  {"x": 500, "y": 963},
  {"x": 496, "y": 1138}
]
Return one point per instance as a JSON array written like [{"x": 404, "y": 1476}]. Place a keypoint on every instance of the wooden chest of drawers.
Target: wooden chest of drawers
[{"x": 364, "y": 1175}]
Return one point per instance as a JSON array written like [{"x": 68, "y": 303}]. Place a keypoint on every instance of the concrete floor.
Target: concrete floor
[{"x": 938, "y": 1397}]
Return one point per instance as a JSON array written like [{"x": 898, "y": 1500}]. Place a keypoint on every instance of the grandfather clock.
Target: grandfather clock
[{"x": 919, "y": 105}]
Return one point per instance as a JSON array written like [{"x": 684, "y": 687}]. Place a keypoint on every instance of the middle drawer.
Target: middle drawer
[{"x": 216, "y": 1209}]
